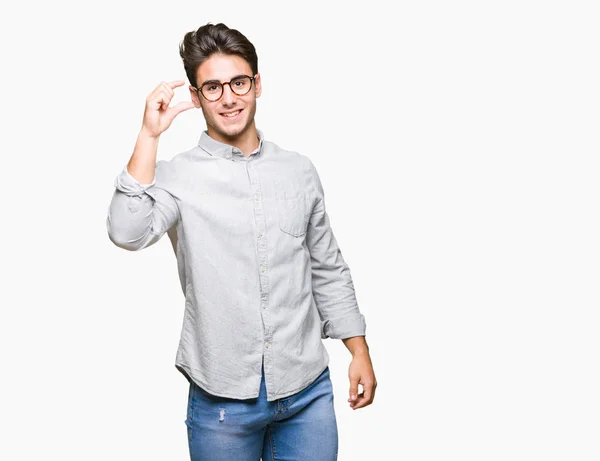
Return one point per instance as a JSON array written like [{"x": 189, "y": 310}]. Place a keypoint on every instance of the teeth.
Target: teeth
[{"x": 231, "y": 114}]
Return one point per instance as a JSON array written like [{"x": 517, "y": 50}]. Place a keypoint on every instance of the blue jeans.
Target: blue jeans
[{"x": 300, "y": 427}]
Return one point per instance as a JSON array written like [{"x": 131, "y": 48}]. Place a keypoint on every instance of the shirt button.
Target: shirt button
[
  {"x": 262, "y": 269},
  {"x": 264, "y": 306},
  {"x": 267, "y": 345},
  {"x": 257, "y": 197}
]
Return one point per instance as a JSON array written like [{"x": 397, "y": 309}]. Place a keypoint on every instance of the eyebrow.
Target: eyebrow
[{"x": 217, "y": 81}]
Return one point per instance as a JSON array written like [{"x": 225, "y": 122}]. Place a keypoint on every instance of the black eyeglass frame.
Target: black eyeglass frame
[{"x": 252, "y": 79}]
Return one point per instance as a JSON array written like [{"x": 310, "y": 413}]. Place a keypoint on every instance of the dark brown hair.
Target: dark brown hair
[{"x": 197, "y": 46}]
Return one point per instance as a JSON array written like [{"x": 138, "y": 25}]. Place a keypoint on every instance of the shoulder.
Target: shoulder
[
  {"x": 172, "y": 172},
  {"x": 300, "y": 162},
  {"x": 182, "y": 158},
  {"x": 298, "y": 168}
]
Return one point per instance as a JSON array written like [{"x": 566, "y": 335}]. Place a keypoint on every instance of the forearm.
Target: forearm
[
  {"x": 142, "y": 163},
  {"x": 332, "y": 285},
  {"x": 356, "y": 345}
]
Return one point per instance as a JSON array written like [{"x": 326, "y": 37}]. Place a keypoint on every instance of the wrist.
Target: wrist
[
  {"x": 357, "y": 345},
  {"x": 146, "y": 135}
]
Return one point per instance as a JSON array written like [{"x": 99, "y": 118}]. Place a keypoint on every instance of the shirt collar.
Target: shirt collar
[{"x": 220, "y": 149}]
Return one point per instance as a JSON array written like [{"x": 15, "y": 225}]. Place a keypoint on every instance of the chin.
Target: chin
[{"x": 233, "y": 131}]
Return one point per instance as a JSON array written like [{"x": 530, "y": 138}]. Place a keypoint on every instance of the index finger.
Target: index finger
[
  {"x": 365, "y": 398},
  {"x": 176, "y": 83}
]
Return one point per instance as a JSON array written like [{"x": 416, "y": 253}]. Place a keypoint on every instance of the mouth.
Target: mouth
[{"x": 232, "y": 114}]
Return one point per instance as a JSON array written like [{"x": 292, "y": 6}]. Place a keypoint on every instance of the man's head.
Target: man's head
[{"x": 212, "y": 56}]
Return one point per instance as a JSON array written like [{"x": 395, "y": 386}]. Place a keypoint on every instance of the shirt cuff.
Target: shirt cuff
[
  {"x": 129, "y": 185},
  {"x": 344, "y": 327}
]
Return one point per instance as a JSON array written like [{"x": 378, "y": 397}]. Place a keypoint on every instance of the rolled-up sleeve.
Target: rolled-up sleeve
[
  {"x": 332, "y": 286},
  {"x": 139, "y": 214}
]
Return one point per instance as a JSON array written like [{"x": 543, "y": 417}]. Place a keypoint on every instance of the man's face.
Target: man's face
[{"x": 223, "y": 68}]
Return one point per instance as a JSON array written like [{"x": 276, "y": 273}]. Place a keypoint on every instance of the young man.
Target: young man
[{"x": 263, "y": 277}]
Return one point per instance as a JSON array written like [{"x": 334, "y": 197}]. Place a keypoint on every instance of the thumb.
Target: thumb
[{"x": 180, "y": 107}]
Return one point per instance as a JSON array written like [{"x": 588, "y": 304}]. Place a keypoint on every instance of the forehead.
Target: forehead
[{"x": 222, "y": 67}]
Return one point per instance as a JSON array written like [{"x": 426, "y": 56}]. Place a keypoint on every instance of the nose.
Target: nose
[{"x": 228, "y": 95}]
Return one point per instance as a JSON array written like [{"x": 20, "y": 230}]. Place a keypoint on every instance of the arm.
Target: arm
[
  {"x": 140, "y": 211},
  {"x": 332, "y": 286},
  {"x": 334, "y": 295}
]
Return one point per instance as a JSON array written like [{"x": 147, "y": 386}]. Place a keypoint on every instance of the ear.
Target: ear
[
  {"x": 258, "y": 85},
  {"x": 194, "y": 96}
]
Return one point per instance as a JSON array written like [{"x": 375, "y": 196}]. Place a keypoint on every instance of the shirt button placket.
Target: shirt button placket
[{"x": 261, "y": 245}]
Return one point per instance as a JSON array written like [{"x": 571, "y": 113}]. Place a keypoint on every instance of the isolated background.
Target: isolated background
[{"x": 457, "y": 143}]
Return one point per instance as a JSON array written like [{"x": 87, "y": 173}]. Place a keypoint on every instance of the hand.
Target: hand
[
  {"x": 158, "y": 116},
  {"x": 361, "y": 372}
]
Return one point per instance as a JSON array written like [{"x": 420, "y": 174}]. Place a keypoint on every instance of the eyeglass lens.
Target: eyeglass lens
[{"x": 239, "y": 86}]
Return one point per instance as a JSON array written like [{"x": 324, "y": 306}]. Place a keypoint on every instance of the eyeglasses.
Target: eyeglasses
[{"x": 212, "y": 91}]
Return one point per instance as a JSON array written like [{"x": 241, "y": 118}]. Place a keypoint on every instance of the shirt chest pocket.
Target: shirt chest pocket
[{"x": 293, "y": 213}]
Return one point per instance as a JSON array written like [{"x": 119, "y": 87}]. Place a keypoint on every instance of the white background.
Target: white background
[{"x": 457, "y": 143}]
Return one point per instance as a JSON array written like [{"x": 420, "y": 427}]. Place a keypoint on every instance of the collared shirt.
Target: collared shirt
[{"x": 261, "y": 271}]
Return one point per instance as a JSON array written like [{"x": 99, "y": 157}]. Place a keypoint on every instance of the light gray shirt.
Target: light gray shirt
[{"x": 261, "y": 271}]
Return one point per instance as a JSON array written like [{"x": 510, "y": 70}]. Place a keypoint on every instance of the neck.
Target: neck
[{"x": 247, "y": 141}]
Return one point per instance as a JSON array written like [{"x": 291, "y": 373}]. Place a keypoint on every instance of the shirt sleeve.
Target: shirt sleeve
[
  {"x": 332, "y": 286},
  {"x": 139, "y": 214}
]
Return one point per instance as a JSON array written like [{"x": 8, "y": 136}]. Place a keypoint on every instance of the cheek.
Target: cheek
[
  {"x": 250, "y": 106},
  {"x": 213, "y": 114}
]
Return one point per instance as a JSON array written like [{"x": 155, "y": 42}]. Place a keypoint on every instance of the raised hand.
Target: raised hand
[{"x": 158, "y": 116}]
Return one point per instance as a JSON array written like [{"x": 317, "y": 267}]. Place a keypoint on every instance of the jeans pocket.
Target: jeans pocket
[{"x": 294, "y": 213}]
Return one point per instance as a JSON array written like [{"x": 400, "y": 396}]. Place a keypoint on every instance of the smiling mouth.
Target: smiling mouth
[{"x": 231, "y": 114}]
